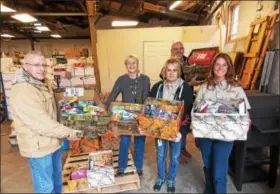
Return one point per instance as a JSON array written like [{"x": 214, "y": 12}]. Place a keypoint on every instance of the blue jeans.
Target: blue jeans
[
  {"x": 139, "y": 147},
  {"x": 184, "y": 131},
  {"x": 46, "y": 173},
  {"x": 175, "y": 150},
  {"x": 215, "y": 155}
]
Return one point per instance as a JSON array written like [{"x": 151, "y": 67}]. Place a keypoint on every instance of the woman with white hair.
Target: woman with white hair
[{"x": 134, "y": 88}]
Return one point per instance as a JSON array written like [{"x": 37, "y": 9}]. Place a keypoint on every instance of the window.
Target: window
[{"x": 233, "y": 20}]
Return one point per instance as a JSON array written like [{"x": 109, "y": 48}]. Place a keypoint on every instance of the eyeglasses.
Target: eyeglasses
[{"x": 38, "y": 65}]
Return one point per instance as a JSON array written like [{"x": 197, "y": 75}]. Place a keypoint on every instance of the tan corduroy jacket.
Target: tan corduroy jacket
[{"x": 33, "y": 110}]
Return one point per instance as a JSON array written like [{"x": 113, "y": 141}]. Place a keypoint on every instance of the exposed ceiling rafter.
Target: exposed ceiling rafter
[{"x": 174, "y": 13}]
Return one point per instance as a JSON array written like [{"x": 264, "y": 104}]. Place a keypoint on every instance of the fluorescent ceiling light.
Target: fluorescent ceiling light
[
  {"x": 55, "y": 36},
  {"x": 37, "y": 24},
  {"x": 124, "y": 23},
  {"x": 42, "y": 28},
  {"x": 6, "y": 9},
  {"x": 7, "y": 35},
  {"x": 175, "y": 4},
  {"x": 23, "y": 17}
]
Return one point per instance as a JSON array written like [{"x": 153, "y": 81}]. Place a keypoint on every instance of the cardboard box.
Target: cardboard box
[
  {"x": 92, "y": 125},
  {"x": 123, "y": 118},
  {"x": 161, "y": 118}
]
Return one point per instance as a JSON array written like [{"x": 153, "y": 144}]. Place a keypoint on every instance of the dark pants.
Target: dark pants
[
  {"x": 215, "y": 155},
  {"x": 139, "y": 145},
  {"x": 184, "y": 131}
]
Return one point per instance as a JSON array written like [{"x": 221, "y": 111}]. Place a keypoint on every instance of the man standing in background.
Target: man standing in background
[{"x": 177, "y": 51}]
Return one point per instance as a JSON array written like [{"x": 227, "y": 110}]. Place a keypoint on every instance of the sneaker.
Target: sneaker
[
  {"x": 120, "y": 173},
  {"x": 158, "y": 185},
  {"x": 170, "y": 187},
  {"x": 140, "y": 172}
]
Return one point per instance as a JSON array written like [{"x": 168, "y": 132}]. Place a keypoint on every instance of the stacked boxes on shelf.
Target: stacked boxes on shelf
[{"x": 75, "y": 72}]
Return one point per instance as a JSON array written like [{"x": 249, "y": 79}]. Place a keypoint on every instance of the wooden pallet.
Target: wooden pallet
[{"x": 129, "y": 181}]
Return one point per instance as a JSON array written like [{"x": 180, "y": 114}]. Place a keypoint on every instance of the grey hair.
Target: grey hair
[
  {"x": 131, "y": 57},
  {"x": 29, "y": 56}
]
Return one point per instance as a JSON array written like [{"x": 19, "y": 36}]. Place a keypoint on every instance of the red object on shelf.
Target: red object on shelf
[
  {"x": 78, "y": 65},
  {"x": 59, "y": 69}
]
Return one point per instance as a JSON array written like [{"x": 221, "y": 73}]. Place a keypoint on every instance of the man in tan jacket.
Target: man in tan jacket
[{"x": 34, "y": 112}]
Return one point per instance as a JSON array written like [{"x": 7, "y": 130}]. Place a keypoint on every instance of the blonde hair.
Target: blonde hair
[
  {"x": 176, "y": 64},
  {"x": 131, "y": 57}
]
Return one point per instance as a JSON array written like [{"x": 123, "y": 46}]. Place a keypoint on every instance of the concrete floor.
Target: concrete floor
[{"x": 15, "y": 176}]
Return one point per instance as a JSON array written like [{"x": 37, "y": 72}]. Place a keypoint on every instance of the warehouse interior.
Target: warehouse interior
[{"x": 90, "y": 39}]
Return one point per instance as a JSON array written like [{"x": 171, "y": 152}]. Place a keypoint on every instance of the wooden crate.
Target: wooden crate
[{"x": 129, "y": 181}]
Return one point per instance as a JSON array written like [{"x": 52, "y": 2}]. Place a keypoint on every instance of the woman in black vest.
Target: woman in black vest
[{"x": 172, "y": 87}]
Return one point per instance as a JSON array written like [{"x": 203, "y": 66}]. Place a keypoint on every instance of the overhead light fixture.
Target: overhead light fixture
[
  {"x": 42, "y": 28},
  {"x": 6, "y": 9},
  {"x": 55, "y": 36},
  {"x": 38, "y": 31},
  {"x": 124, "y": 23},
  {"x": 175, "y": 4},
  {"x": 7, "y": 36},
  {"x": 24, "y": 17},
  {"x": 37, "y": 24}
]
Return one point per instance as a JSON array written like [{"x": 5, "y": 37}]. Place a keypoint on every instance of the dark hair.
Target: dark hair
[{"x": 229, "y": 77}]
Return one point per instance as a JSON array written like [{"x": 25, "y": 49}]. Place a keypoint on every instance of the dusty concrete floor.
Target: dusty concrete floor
[{"x": 15, "y": 176}]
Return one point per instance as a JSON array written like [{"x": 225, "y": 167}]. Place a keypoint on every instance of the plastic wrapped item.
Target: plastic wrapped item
[
  {"x": 124, "y": 112},
  {"x": 98, "y": 176},
  {"x": 222, "y": 120},
  {"x": 85, "y": 116},
  {"x": 101, "y": 171},
  {"x": 161, "y": 118},
  {"x": 123, "y": 118},
  {"x": 84, "y": 145},
  {"x": 78, "y": 174},
  {"x": 78, "y": 185},
  {"x": 100, "y": 159},
  {"x": 109, "y": 141}
]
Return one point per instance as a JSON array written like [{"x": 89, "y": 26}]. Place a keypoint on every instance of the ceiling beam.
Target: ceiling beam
[
  {"x": 122, "y": 4},
  {"x": 41, "y": 38},
  {"x": 205, "y": 21},
  {"x": 174, "y": 13},
  {"x": 189, "y": 5},
  {"x": 51, "y": 14},
  {"x": 16, "y": 31},
  {"x": 82, "y": 6}
]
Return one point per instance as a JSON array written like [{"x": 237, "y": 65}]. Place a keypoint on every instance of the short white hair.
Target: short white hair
[
  {"x": 30, "y": 55},
  {"x": 130, "y": 56}
]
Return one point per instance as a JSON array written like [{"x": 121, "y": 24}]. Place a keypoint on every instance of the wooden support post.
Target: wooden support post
[
  {"x": 32, "y": 44},
  {"x": 93, "y": 38}
]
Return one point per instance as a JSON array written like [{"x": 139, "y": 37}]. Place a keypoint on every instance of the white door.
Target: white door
[{"x": 155, "y": 53}]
